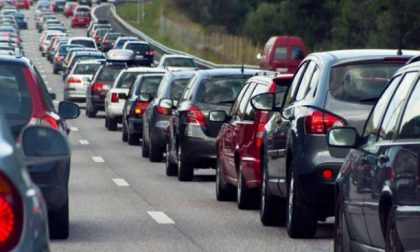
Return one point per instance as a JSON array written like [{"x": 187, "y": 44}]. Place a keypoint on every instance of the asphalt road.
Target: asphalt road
[{"x": 122, "y": 202}]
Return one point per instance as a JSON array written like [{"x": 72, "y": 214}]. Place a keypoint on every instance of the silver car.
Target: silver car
[{"x": 23, "y": 213}]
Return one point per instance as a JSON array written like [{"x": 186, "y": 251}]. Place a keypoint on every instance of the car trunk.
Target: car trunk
[{"x": 212, "y": 128}]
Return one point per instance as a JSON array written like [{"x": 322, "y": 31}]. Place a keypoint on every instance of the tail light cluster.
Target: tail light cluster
[
  {"x": 73, "y": 80},
  {"x": 149, "y": 53},
  {"x": 98, "y": 87},
  {"x": 114, "y": 98},
  {"x": 261, "y": 119},
  {"x": 195, "y": 117},
  {"x": 318, "y": 122},
  {"x": 50, "y": 120},
  {"x": 96, "y": 38},
  {"x": 139, "y": 108},
  {"x": 162, "y": 111},
  {"x": 105, "y": 42},
  {"x": 11, "y": 214},
  {"x": 57, "y": 58}
]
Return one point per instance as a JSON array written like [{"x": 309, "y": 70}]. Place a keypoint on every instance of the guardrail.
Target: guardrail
[{"x": 166, "y": 50}]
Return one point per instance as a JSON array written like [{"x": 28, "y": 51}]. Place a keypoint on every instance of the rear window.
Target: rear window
[
  {"x": 149, "y": 84},
  {"x": 85, "y": 43},
  {"x": 280, "y": 53},
  {"x": 109, "y": 73},
  {"x": 179, "y": 62},
  {"x": 86, "y": 69},
  {"x": 127, "y": 79},
  {"x": 177, "y": 87},
  {"x": 138, "y": 48},
  {"x": 361, "y": 82},
  {"x": 65, "y": 49},
  {"x": 220, "y": 89},
  {"x": 15, "y": 101}
]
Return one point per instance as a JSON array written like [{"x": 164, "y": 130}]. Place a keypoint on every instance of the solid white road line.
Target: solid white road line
[
  {"x": 160, "y": 217},
  {"x": 120, "y": 182},
  {"x": 98, "y": 159},
  {"x": 74, "y": 129},
  {"x": 83, "y": 142}
]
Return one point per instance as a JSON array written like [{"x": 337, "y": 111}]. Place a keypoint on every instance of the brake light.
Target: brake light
[
  {"x": 261, "y": 119},
  {"x": 318, "y": 122},
  {"x": 49, "y": 121},
  {"x": 150, "y": 53},
  {"x": 96, "y": 38},
  {"x": 106, "y": 42},
  {"x": 11, "y": 214},
  {"x": 140, "y": 107},
  {"x": 162, "y": 110},
  {"x": 114, "y": 98},
  {"x": 72, "y": 80},
  {"x": 272, "y": 88},
  {"x": 327, "y": 174},
  {"x": 57, "y": 58},
  {"x": 97, "y": 87},
  {"x": 396, "y": 59},
  {"x": 195, "y": 117}
]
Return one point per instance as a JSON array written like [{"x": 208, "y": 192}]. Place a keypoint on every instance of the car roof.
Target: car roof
[
  {"x": 343, "y": 55},
  {"x": 226, "y": 71},
  {"x": 177, "y": 56},
  {"x": 91, "y": 61},
  {"x": 144, "y": 69},
  {"x": 81, "y": 38}
]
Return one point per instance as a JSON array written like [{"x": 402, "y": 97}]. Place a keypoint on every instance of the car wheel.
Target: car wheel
[
  {"x": 155, "y": 154},
  {"x": 224, "y": 191},
  {"x": 55, "y": 71},
  {"x": 341, "y": 235},
  {"x": 246, "y": 198},
  {"x": 393, "y": 242},
  {"x": 58, "y": 222},
  {"x": 124, "y": 136},
  {"x": 171, "y": 168},
  {"x": 185, "y": 171},
  {"x": 272, "y": 208},
  {"x": 301, "y": 221},
  {"x": 90, "y": 112},
  {"x": 112, "y": 124}
]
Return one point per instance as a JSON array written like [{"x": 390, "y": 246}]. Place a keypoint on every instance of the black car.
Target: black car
[
  {"x": 378, "y": 192},
  {"x": 329, "y": 89},
  {"x": 24, "y": 100},
  {"x": 192, "y": 136},
  {"x": 139, "y": 96},
  {"x": 156, "y": 118},
  {"x": 144, "y": 54}
]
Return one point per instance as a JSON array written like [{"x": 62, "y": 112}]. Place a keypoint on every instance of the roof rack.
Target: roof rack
[
  {"x": 18, "y": 54},
  {"x": 266, "y": 73}
]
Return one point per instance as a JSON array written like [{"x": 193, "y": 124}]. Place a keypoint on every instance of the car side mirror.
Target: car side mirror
[
  {"x": 218, "y": 116},
  {"x": 68, "y": 110},
  {"x": 258, "y": 56},
  {"x": 344, "y": 137},
  {"x": 145, "y": 97},
  {"x": 264, "y": 102},
  {"x": 122, "y": 96},
  {"x": 41, "y": 144},
  {"x": 166, "y": 103},
  {"x": 53, "y": 96}
]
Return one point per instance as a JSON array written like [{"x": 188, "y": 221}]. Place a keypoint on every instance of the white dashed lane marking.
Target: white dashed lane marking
[
  {"x": 160, "y": 217},
  {"x": 98, "y": 159},
  {"x": 74, "y": 129},
  {"x": 83, "y": 142},
  {"x": 120, "y": 182}
]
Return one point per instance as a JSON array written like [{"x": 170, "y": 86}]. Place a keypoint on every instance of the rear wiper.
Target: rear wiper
[{"x": 370, "y": 99}]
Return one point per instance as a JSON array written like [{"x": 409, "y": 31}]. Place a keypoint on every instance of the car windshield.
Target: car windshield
[
  {"x": 66, "y": 48},
  {"x": 179, "y": 62},
  {"x": 177, "y": 87},
  {"x": 109, "y": 73},
  {"x": 85, "y": 43},
  {"x": 138, "y": 48},
  {"x": 88, "y": 69},
  {"x": 127, "y": 79},
  {"x": 220, "y": 89},
  {"x": 15, "y": 100},
  {"x": 362, "y": 81},
  {"x": 149, "y": 84}
]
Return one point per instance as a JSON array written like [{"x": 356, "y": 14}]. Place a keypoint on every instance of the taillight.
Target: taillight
[
  {"x": 72, "y": 80},
  {"x": 140, "y": 107},
  {"x": 114, "y": 98},
  {"x": 261, "y": 119},
  {"x": 97, "y": 87},
  {"x": 57, "y": 58},
  {"x": 49, "y": 121},
  {"x": 106, "y": 42},
  {"x": 162, "y": 110},
  {"x": 272, "y": 88},
  {"x": 150, "y": 53},
  {"x": 11, "y": 214},
  {"x": 318, "y": 122},
  {"x": 96, "y": 38},
  {"x": 327, "y": 174},
  {"x": 195, "y": 117}
]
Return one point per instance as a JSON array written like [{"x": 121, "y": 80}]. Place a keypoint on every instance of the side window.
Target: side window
[
  {"x": 132, "y": 88},
  {"x": 44, "y": 90},
  {"x": 244, "y": 102},
  {"x": 306, "y": 80},
  {"x": 313, "y": 86},
  {"x": 238, "y": 99},
  {"x": 410, "y": 124},
  {"x": 295, "y": 84},
  {"x": 250, "y": 111},
  {"x": 374, "y": 121},
  {"x": 390, "y": 122},
  {"x": 187, "y": 90}
]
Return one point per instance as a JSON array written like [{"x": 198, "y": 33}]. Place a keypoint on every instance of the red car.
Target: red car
[
  {"x": 80, "y": 19},
  {"x": 23, "y": 4},
  {"x": 69, "y": 8},
  {"x": 240, "y": 139}
]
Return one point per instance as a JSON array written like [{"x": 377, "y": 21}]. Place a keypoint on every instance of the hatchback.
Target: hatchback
[
  {"x": 80, "y": 19},
  {"x": 144, "y": 54}
]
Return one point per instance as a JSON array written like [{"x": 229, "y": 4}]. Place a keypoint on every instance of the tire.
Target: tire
[
  {"x": 301, "y": 220},
  {"x": 133, "y": 139},
  {"x": 393, "y": 242},
  {"x": 224, "y": 191},
  {"x": 55, "y": 71},
  {"x": 112, "y": 124},
  {"x": 58, "y": 222},
  {"x": 90, "y": 112},
  {"x": 124, "y": 135},
  {"x": 171, "y": 168},
  {"x": 144, "y": 148},
  {"x": 155, "y": 154},
  {"x": 246, "y": 198},
  {"x": 272, "y": 208},
  {"x": 185, "y": 171},
  {"x": 341, "y": 235}
]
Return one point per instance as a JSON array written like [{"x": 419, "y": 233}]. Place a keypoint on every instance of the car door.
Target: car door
[
  {"x": 357, "y": 172},
  {"x": 378, "y": 168}
]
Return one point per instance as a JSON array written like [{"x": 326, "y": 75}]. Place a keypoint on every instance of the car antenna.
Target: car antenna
[
  {"x": 399, "y": 52},
  {"x": 243, "y": 65}
]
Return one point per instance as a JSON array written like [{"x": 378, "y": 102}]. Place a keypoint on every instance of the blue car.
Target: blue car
[{"x": 20, "y": 20}]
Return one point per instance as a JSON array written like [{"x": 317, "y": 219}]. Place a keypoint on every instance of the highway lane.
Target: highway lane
[{"x": 115, "y": 194}]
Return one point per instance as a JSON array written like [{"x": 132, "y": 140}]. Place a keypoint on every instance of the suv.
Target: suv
[
  {"x": 24, "y": 100},
  {"x": 240, "y": 140},
  {"x": 192, "y": 136},
  {"x": 329, "y": 89}
]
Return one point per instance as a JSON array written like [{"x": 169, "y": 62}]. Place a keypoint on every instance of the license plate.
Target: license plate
[
  {"x": 81, "y": 19},
  {"x": 139, "y": 56}
]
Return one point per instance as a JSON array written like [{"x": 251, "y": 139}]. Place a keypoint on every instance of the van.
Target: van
[{"x": 282, "y": 54}]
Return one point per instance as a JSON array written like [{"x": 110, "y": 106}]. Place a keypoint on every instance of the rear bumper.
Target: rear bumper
[
  {"x": 407, "y": 222},
  {"x": 199, "y": 149},
  {"x": 97, "y": 101},
  {"x": 114, "y": 110},
  {"x": 135, "y": 125}
]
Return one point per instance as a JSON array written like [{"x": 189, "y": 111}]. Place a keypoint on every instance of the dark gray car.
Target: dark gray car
[
  {"x": 330, "y": 89},
  {"x": 378, "y": 192},
  {"x": 156, "y": 118}
]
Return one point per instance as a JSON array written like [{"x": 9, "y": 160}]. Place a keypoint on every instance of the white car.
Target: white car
[
  {"x": 113, "y": 104},
  {"x": 79, "y": 78},
  {"x": 84, "y": 41},
  {"x": 45, "y": 40},
  {"x": 175, "y": 62}
]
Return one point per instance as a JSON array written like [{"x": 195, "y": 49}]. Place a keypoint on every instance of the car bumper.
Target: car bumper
[
  {"x": 407, "y": 222},
  {"x": 135, "y": 125},
  {"x": 98, "y": 101},
  {"x": 114, "y": 110},
  {"x": 159, "y": 132},
  {"x": 199, "y": 149}
]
